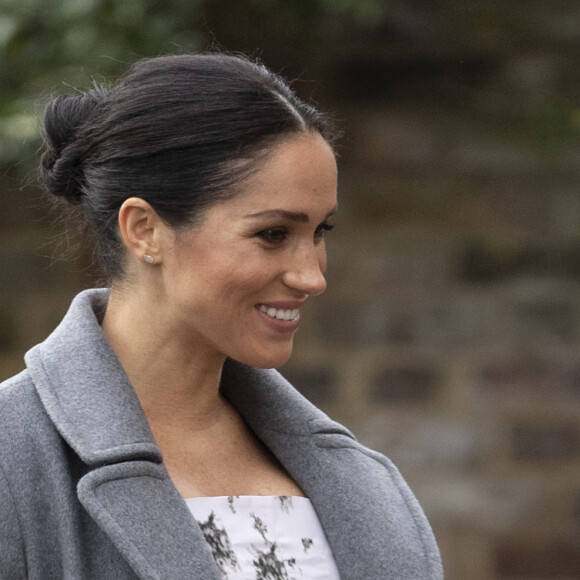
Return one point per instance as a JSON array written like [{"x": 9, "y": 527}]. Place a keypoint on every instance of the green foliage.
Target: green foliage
[
  {"x": 53, "y": 46},
  {"x": 365, "y": 13},
  {"x": 49, "y": 46}
]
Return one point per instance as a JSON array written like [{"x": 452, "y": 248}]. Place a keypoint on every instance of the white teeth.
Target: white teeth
[{"x": 279, "y": 314}]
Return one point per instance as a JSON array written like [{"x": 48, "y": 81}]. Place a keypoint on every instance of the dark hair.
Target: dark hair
[{"x": 178, "y": 131}]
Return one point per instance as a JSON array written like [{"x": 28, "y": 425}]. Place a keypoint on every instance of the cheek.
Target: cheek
[{"x": 245, "y": 275}]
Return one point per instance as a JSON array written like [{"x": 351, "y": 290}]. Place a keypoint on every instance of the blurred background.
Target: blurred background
[{"x": 449, "y": 336}]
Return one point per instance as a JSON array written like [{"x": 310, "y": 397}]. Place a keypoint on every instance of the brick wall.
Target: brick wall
[{"x": 41, "y": 269}]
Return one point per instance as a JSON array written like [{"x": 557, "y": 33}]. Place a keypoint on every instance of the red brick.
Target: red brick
[
  {"x": 536, "y": 442},
  {"x": 405, "y": 384},
  {"x": 518, "y": 559},
  {"x": 530, "y": 377}
]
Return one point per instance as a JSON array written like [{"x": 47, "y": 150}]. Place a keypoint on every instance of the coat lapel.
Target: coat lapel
[
  {"x": 127, "y": 490},
  {"x": 372, "y": 521},
  {"x": 365, "y": 513},
  {"x": 137, "y": 505}
]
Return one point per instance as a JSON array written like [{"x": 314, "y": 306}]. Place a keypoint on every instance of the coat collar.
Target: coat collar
[
  {"x": 85, "y": 391},
  {"x": 89, "y": 398}
]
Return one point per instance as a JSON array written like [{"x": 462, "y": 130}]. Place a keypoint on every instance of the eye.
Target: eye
[
  {"x": 273, "y": 235},
  {"x": 323, "y": 229}
]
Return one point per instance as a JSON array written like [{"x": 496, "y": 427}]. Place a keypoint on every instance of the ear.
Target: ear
[{"x": 141, "y": 228}]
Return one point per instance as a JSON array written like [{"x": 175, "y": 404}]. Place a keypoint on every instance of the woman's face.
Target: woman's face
[{"x": 233, "y": 286}]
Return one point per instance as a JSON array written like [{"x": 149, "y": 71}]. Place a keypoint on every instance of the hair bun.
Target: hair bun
[{"x": 61, "y": 163}]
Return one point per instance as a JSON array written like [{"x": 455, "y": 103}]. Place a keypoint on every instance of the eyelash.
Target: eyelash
[
  {"x": 279, "y": 235},
  {"x": 323, "y": 229}
]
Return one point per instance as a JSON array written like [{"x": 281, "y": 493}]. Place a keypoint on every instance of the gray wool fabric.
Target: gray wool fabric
[{"x": 84, "y": 493}]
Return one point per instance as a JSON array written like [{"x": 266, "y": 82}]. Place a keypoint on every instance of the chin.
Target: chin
[{"x": 269, "y": 359}]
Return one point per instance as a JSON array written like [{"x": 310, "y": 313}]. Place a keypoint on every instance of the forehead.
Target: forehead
[{"x": 299, "y": 175}]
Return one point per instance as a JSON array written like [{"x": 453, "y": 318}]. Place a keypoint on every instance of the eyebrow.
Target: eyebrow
[{"x": 295, "y": 216}]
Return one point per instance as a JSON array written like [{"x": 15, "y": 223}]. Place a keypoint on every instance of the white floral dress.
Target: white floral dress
[{"x": 264, "y": 537}]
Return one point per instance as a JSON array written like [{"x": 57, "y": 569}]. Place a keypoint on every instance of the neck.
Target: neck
[{"x": 176, "y": 383}]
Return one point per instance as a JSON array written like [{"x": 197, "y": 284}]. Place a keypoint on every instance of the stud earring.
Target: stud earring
[{"x": 149, "y": 259}]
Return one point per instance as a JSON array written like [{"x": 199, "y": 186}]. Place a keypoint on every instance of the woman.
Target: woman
[{"x": 145, "y": 439}]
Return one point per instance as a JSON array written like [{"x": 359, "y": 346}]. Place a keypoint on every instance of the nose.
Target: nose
[{"x": 306, "y": 273}]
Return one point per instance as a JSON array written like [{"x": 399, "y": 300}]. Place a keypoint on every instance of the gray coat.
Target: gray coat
[{"x": 84, "y": 493}]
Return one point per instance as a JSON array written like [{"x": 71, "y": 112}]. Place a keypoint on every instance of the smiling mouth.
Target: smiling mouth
[{"x": 280, "y": 314}]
